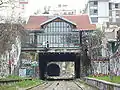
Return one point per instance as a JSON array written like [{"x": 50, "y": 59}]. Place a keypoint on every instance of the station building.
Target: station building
[{"x": 56, "y": 38}]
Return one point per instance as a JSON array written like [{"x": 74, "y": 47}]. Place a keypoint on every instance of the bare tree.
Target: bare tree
[
  {"x": 11, "y": 27},
  {"x": 91, "y": 48},
  {"x": 11, "y": 32},
  {"x": 1, "y": 2},
  {"x": 93, "y": 41},
  {"x": 8, "y": 34},
  {"x": 6, "y": 2}
]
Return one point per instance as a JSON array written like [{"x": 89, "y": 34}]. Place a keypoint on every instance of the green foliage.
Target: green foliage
[
  {"x": 14, "y": 77},
  {"x": 116, "y": 79},
  {"x": 22, "y": 84},
  {"x": 5, "y": 87},
  {"x": 28, "y": 83}
]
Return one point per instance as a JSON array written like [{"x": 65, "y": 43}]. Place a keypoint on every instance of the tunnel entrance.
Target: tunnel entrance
[
  {"x": 53, "y": 70},
  {"x": 60, "y": 70}
]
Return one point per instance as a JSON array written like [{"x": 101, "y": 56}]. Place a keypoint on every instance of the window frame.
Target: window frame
[
  {"x": 95, "y": 3},
  {"x": 116, "y": 5},
  {"x": 95, "y": 11}
]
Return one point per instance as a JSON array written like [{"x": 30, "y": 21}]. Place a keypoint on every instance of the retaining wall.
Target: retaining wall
[{"x": 101, "y": 84}]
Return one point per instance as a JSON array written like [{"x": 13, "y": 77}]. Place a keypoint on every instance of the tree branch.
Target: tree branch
[{"x": 1, "y": 2}]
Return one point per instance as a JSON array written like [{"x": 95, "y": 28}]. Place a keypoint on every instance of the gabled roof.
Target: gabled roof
[
  {"x": 58, "y": 17},
  {"x": 82, "y": 22}
]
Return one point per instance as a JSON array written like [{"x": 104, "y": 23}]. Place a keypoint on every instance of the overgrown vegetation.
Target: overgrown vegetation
[
  {"x": 22, "y": 84},
  {"x": 93, "y": 43},
  {"x": 91, "y": 48},
  {"x": 8, "y": 35},
  {"x": 11, "y": 77},
  {"x": 28, "y": 83},
  {"x": 116, "y": 79},
  {"x": 5, "y": 87},
  {"x": 11, "y": 34}
]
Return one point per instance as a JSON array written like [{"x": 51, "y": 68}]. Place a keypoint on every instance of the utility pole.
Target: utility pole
[{"x": 81, "y": 49}]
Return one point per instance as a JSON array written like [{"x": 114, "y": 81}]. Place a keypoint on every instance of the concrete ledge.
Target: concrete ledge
[
  {"x": 101, "y": 84},
  {"x": 82, "y": 81}
]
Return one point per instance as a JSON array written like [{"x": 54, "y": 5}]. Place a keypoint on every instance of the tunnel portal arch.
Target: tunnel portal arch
[
  {"x": 53, "y": 69},
  {"x": 45, "y": 58}
]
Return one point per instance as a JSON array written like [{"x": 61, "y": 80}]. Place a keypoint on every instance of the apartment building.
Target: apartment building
[
  {"x": 60, "y": 9},
  {"x": 101, "y": 11},
  {"x": 63, "y": 10}
]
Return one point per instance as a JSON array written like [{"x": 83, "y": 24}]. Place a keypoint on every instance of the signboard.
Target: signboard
[{"x": 22, "y": 72}]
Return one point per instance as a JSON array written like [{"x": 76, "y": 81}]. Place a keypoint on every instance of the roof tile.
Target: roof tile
[{"x": 82, "y": 21}]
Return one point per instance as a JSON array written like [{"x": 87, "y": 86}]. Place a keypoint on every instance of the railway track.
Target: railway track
[
  {"x": 60, "y": 85},
  {"x": 78, "y": 84}
]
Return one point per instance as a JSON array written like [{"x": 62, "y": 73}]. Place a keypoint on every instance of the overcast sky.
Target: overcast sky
[{"x": 34, "y": 5}]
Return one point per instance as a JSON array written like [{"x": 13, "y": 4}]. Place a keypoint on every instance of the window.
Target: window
[
  {"x": 116, "y": 5},
  {"x": 65, "y": 13},
  {"x": 58, "y": 35},
  {"x": 94, "y": 19},
  {"x": 95, "y": 3},
  {"x": 110, "y": 13},
  {"x": 117, "y": 14},
  {"x": 110, "y": 6},
  {"x": 95, "y": 11}
]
